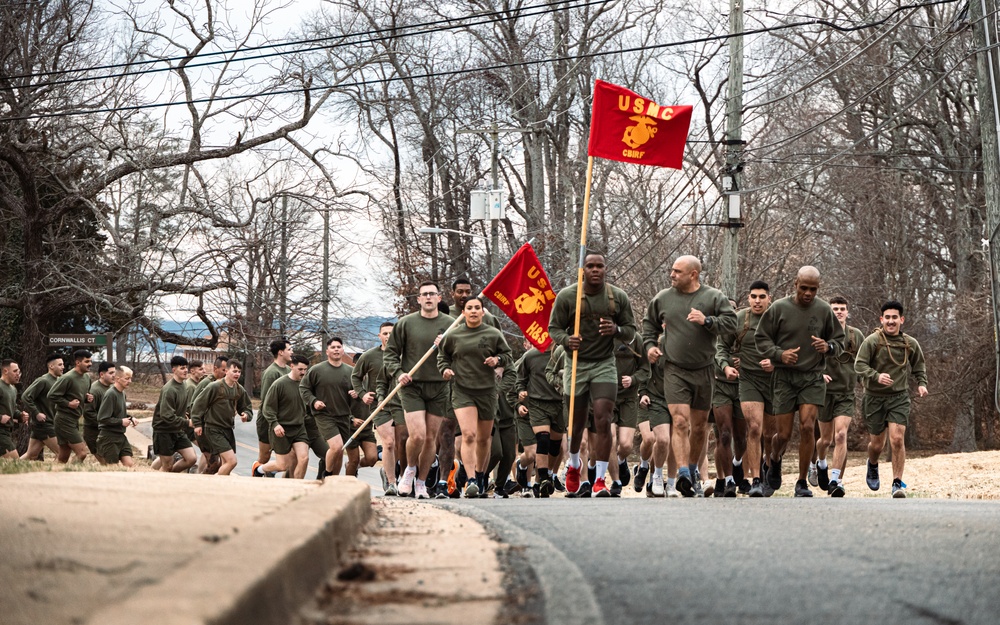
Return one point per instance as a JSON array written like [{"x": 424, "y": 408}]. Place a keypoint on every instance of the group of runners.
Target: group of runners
[{"x": 464, "y": 410}]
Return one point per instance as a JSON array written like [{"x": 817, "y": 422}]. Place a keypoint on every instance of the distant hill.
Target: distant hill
[{"x": 356, "y": 331}]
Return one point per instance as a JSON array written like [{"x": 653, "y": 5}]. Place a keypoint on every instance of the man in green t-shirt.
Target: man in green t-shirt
[
  {"x": 795, "y": 335},
  {"x": 327, "y": 392},
  {"x": 112, "y": 419},
  {"x": 690, "y": 315},
  {"x": 282, "y": 351},
  {"x": 41, "y": 414},
  {"x": 837, "y": 413},
  {"x": 605, "y": 315},
  {"x": 886, "y": 360},
  {"x": 214, "y": 414},
  {"x": 68, "y": 395},
  {"x": 105, "y": 379},
  {"x": 170, "y": 421},
  {"x": 424, "y": 394},
  {"x": 284, "y": 412},
  {"x": 389, "y": 422},
  {"x": 10, "y": 375}
]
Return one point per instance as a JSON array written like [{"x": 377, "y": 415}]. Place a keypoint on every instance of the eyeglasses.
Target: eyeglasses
[{"x": 428, "y": 294}]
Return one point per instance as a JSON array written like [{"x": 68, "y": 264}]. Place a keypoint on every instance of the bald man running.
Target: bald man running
[
  {"x": 795, "y": 334},
  {"x": 691, "y": 316}
]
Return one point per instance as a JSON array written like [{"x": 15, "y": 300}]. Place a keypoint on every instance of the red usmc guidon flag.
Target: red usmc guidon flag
[
  {"x": 522, "y": 291},
  {"x": 627, "y": 127}
]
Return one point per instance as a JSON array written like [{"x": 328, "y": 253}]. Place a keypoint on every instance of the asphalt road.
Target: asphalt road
[{"x": 769, "y": 561}]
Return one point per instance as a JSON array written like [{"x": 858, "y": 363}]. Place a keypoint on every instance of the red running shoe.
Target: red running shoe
[
  {"x": 601, "y": 489},
  {"x": 572, "y": 479}
]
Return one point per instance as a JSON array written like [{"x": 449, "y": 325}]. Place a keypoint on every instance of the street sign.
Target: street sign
[{"x": 78, "y": 339}]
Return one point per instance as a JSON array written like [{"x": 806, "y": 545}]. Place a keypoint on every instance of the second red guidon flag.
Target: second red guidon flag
[
  {"x": 522, "y": 291},
  {"x": 625, "y": 126}
]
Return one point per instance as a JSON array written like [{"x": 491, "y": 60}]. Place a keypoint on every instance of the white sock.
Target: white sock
[
  {"x": 420, "y": 482},
  {"x": 821, "y": 464},
  {"x": 812, "y": 466},
  {"x": 736, "y": 462},
  {"x": 658, "y": 472},
  {"x": 834, "y": 475},
  {"x": 643, "y": 463},
  {"x": 574, "y": 460},
  {"x": 602, "y": 468},
  {"x": 730, "y": 480},
  {"x": 671, "y": 481}
]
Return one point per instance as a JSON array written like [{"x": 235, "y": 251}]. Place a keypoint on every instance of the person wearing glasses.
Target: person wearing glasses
[
  {"x": 424, "y": 394},
  {"x": 836, "y": 415}
]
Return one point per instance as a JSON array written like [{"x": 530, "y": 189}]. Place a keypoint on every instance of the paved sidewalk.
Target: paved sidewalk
[{"x": 130, "y": 547}]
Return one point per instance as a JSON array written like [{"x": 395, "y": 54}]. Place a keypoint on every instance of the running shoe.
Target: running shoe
[
  {"x": 616, "y": 489},
  {"x": 649, "y": 489},
  {"x": 471, "y": 489},
  {"x": 601, "y": 489},
  {"x": 696, "y": 486},
  {"x": 719, "y": 490},
  {"x": 872, "y": 476},
  {"x": 671, "y": 492},
  {"x": 756, "y": 490},
  {"x": 640, "y": 474},
  {"x": 774, "y": 474},
  {"x": 743, "y": 487},
  {"x": 898, "y": 489},
  {"x": 432, "y": 474},
  {"x": 623, "y": 472},
  {"x": 390, "y": 491},
  {"x": 253, "y": 469},
  {"x": 512, "y": 487},
  {"x": 385, "y": 478},
  {"x": 823, "y": 477},
  {"x": 522, "y": 476},
  {"x": 729, "y": 490},
  {"x": 657, "y": 485},
  {"x": 491, "y": 487},
  {"x": 558, "y": 483},
  {"x": 442, "y": 491},
  {"x": 452, "y": 487},
  {"x": 536, "y": 489},
  {"x": 581, "y": 493},
  {"x": 765, "y": 486},
  {"x": 802, "y": 489},
  {"x": 406, "y": 484},
  {"x": 812, "y": 476},
  {"x": 572, "y": 479},
  {"x": 684, "y": 485},
  {"x": 738, "y": 474},
  {"x": 527, "y": 493},
  {"x": 420, "y": 491},
  {"x": 545, "y": 489},
  {"x": 591, "y": 473},
  {"x": 836, "y": 489}
]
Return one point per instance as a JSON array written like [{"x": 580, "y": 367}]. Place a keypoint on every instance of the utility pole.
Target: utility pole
[
  {"x": 283, "y": 267},
  {"x": 494, "y": 132},
  {"x": 325, "y": 297},
  {"x": 731, "y": 174},
  {"x": 982, "y": 14}
]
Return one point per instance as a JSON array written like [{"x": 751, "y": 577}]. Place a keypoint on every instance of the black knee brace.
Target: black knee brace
[
  {"x": 555, "y": 448},
  {"x": 542, "y": 442}
]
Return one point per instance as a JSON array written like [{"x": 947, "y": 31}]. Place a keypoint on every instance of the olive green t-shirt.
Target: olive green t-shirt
[
  {"x": 900, "y": 356},
  {"x": 283, "y": 403},
  {"x": 840, "y": 367},
  {"x": 36, "y": 397},
  {"x": 412, "y": 337},
  {"x": 787, "y": 325},
  {"x": 330, "y": 385},
  {"x": 170, "y": 411},
  {"x": 270, "y": 376},
  {"x": 687, "y": 344},
  {"x": 464, "y": 349},
  {"x": 531, "y": 375},
  {"x": 741, "y": 344},
  {"x": 90, "y": 410},
  {"x": 593, "y": 345},
  {"x": 366, "y": 369},
  {"x": 112, "y": 413},
  {"x": 8, "y": 405},
  {"x": 630, "y": 360},
  {"x": 218, "y": 404},
  {"x": 70, "y": 385}
]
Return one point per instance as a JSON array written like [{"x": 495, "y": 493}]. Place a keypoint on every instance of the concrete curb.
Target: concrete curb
[{"x": 263, "y": 575}]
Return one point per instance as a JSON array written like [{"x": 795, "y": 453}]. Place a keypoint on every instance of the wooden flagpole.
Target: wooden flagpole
[{"x": 579, "y": 294}]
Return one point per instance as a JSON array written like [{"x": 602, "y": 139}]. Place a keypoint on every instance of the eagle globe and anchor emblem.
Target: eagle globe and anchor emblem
[
  {"x": 636, "y": 136},
  {"x": 530, "y": 303}
]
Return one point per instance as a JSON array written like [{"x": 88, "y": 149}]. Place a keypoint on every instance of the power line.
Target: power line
[{"x": 279, "y": 92}]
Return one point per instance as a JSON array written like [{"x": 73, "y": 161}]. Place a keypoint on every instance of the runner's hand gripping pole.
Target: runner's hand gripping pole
[
  {"x": 579, "y": 298},
  {"x": 399, "y": 385}
]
